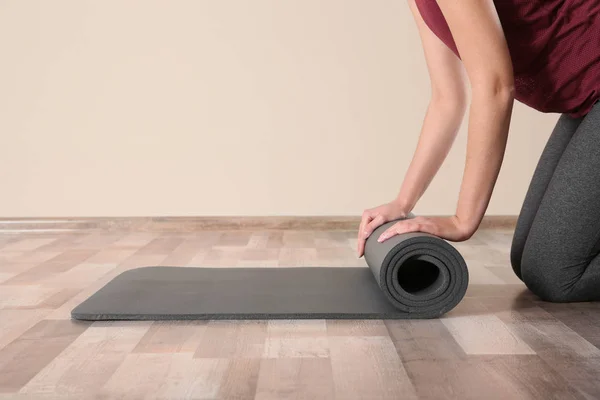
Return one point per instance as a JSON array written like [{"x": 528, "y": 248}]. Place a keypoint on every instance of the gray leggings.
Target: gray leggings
[{"x": 556, "y": 244}]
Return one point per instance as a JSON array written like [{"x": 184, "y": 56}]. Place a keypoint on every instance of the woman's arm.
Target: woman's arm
[
  {"x": 480, "y": 40},
  {"x": 482, "y": 46},
  {"x": 443, "y": 118},
  {"x": 440, "y": 126}
]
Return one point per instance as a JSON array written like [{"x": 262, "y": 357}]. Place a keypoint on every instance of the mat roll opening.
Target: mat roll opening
[{"x": 417, "y": 275}]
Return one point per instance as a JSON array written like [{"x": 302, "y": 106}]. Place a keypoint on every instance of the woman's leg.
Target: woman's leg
[
  {"x": 560, "y": 260},
  {"x": 557, "y": 143}
]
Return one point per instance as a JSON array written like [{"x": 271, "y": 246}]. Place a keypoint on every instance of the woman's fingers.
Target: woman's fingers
[
  {"x": 366, "y": 218},
  {"x": 406, "y": 226},
  {"x": 367, "y": 230},
  {"x": 374, "y": 224}
]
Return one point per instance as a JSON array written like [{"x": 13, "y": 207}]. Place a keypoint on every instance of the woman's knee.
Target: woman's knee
[
  {"x": 516, "y": 252},
  {"x": 543, "y": 274}
]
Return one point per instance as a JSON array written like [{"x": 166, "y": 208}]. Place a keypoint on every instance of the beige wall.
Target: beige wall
[{"x": 263, "y": 107}]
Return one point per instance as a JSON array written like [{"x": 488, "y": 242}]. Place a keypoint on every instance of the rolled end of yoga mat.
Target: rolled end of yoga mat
[{"x": 419, "y": 273}]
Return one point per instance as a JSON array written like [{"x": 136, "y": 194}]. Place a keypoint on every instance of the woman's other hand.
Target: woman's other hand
[
  {"x": 449, "y": 228},
  {"x": 374, "y": 218}
]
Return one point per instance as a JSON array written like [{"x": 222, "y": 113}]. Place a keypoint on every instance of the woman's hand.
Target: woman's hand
[
  {"x": 449, "y": 228},
  {"x": 375, "y": 217}
]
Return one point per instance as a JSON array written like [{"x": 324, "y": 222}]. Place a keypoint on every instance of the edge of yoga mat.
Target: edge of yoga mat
[{"x": 169, "y": 293}]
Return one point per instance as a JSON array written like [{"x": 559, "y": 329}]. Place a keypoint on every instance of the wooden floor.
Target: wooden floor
[{"x": 499, "y": 343}]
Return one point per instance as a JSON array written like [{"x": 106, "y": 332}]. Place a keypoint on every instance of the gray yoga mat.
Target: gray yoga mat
[{"x": 413, "y": 275}]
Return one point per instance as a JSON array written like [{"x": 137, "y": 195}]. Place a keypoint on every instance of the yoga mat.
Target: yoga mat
[{"x": 413, "y": 275}]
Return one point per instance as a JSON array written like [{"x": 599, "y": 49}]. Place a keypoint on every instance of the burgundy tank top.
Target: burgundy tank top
[{"x": 554, "y": 46}]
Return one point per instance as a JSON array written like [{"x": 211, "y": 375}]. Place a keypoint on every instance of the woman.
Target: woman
[{"x": 546, "y": 54}]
